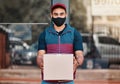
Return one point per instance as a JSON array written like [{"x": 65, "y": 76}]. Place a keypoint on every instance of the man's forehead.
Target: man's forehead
[{"x": 59, "y": 10}]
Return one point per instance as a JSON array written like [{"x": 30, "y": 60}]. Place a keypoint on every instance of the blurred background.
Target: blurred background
[{"x": 22, "y": 21}]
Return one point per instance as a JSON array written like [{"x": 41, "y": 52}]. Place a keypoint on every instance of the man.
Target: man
[{"x": 60, "y": 38}]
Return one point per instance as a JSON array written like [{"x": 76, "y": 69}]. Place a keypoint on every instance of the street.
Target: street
[{"x": 31, "y": 75}]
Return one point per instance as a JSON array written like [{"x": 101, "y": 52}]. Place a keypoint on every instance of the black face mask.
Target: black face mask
[{"x": 59, "y": 21}]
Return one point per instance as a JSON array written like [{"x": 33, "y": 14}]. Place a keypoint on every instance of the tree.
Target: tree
[{"x": 78, "y": 15}]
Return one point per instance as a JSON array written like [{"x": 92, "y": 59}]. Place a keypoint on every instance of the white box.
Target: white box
[{"x": 58, "y": 67}]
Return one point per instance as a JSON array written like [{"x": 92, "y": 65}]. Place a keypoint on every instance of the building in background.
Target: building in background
[{"x": 103, "y": 17}]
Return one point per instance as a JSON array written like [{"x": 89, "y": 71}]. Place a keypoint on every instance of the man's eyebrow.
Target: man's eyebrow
[
  {"x": 55, "y": 13},
  {"x": 59, "y": 13}
]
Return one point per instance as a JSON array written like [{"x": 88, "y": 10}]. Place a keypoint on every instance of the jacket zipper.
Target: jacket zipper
[
  {"x": 59, "y": 44},
  {"x": 59, "y": 38}
]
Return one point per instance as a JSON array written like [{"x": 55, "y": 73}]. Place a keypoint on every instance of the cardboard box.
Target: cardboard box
[{"x": 58, "y": 67}]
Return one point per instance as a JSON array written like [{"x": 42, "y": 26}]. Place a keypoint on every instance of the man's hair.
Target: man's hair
[{"x": 58, "y": 5}]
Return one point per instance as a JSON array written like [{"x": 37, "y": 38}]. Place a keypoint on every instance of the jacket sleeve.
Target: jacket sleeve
[
  {"x": 77, "y": 41},
  {"x": 41, "y": 41}
]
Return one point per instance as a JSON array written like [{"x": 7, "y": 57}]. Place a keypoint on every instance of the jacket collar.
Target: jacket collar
[{"x": 52, "y": 30}]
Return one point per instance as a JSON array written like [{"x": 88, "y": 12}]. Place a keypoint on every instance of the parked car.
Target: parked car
[
  {"x": 101, "y": 48},
  {"x": 27, "y": 55},
  {"x": 108, "y": 47},
  {"x": 16, "y": 46},
  {"x": 90, "y": 51}
]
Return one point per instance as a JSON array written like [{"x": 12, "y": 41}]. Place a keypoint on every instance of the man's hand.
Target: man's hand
[
  {"x": 79, "y": 57},
  {"x": 40, "y": 59},
  {"x": 75, "y": 64}
]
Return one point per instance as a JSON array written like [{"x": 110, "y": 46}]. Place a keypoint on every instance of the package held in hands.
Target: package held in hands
[{"x": 58, "y": 67}]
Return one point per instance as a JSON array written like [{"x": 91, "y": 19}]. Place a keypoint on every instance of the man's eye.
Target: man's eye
[
  {"x": 55, "y": 14},
  {"x": 61, "y": 13}
]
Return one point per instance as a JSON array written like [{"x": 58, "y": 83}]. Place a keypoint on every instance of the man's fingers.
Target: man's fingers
[{"x": 75, "y": 66}]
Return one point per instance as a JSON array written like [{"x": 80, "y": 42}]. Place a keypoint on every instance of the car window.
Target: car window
[
  {"x": 89, "y": 41},
  {"x": 108, "y": 40},
  {"x": 86, "y": 39}
]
